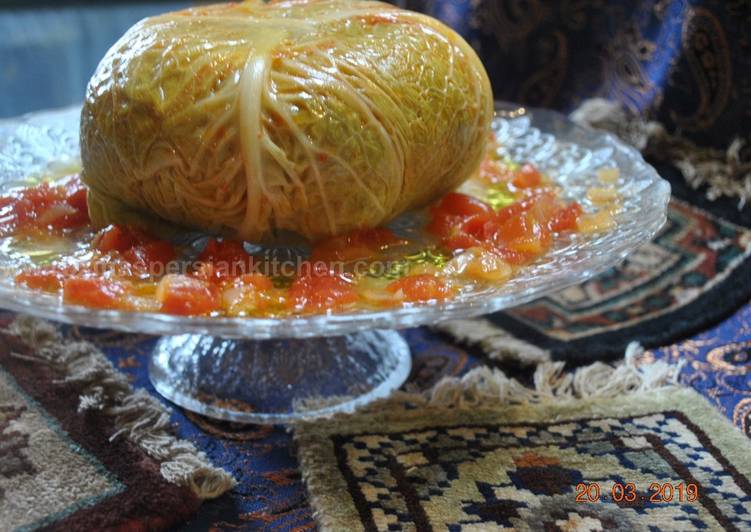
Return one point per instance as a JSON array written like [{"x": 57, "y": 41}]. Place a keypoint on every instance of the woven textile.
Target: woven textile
[
  {"x": 553, "y": 467},
  {"x": 66, "y": 466}
]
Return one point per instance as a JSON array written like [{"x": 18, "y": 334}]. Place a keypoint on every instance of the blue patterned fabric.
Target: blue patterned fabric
[
  {"x": 717, "y": 363},
  {"x": 271, "y": 495},
  {"x": 687, "y": 62}
]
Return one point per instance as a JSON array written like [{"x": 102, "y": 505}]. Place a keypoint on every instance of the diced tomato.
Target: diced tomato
[
  {"x": 354, "y": 245},
  {"x": 151, "y": 256},
  {"x": 459, "y": 219},
  {"x": 524, "y": 234},
  {"x": 228, "y": 259},
  {"x": 512, "y": 256},
  {"x": 517, "y": 228},
  {"x": 527, "y": 176},
  {"x": 246, "y": 293},
  {"x": 566, "y": 218},
  {"x": 471, "y": 232},
  {"x": 144, "y": 252},
  {"x": 461, "y": 241},
  {"x": 77, "y": 198},
  {"x": 321, "y": 291},
  {"x": 116, "y": 238},
  {"x": 460, "y": 204},
  {"x": 187, "y": 296},
  {"x": 442, "y": 224},
  {"x": 423, "y": 287},
  {"x": 260, "y": 281},
  {"x": 48, "y": 279},
  {"x": 481, "y": 226},
  {"x": 512, "y": 211},
  {"x": 93, "y": 292},
  {"x": 57, "y": 206}
]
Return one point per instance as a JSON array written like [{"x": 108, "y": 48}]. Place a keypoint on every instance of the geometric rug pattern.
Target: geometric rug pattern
[
  {"x": 662, "y": 468},
  {"x": 695, "y": 272}
]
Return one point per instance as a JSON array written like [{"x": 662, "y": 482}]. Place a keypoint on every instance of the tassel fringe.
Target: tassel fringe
[{"x": 138, "y": 416}]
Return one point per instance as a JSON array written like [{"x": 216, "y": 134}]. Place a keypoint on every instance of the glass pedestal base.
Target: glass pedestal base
[{"x": 278, "y": 381}]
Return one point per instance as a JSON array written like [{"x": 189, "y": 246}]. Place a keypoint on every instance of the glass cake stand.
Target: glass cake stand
[{"x": 281, "y": 370}]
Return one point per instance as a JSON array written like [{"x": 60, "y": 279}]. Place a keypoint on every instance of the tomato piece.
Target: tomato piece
[
  {"x": 228, "y": 258},
  {"x": 59, "y": 206},
  {"x": 321, "y": 291},
  {"x": 565, "y": 219},
  {"x": 524, "y": 234},
  {"x": 460, "y": 204},
  {"x": 424, "y": 287},
  {"x": 461, "y": 240},
  {"x": 75, "y": 198},
  {"x": 481, "y": 226},
  {"x": 78, "y": 198},
  {"x": 358, "y": 244},
  {"x": 512, "y": 211},
  {"x": 187, "y": 296},
  {"x": 512, "y": 256},
  {"x": 260, "y": 281},
  {"x": 48, "y": 279},
  {"x": 480, "y": 264},
  {"x": 527, "y": 176},
  {"x": 442, "y": 224},
  {"x": 93, "y": 292},
  {"x": 115, "y": 238},
  {"x": 151, "y": 256},
  {"x": 517, "y": 228},
  {"x": 460, "y": 220},
  {"x": 246, "y": 293}
]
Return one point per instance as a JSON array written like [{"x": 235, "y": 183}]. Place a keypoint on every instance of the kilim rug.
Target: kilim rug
[
  {"x": 79, "y": 450},
  {"x": 661, "y": 459}
]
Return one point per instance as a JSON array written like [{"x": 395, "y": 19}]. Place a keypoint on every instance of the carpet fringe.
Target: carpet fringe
[
  {"x": 138, "y": 416},
  {"x": 482, "y": 388},
  {"x": 494, "y": 341},
  {"x": 485, "y": 386}
]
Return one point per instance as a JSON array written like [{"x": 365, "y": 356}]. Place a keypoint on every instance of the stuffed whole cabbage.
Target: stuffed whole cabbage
[{"x": 316, "y": 117}]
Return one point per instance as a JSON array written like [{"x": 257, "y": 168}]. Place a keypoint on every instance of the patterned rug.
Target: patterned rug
[
  {"x": 662, "y": 460},
  {"x": 693, "y": 274},
  {"x": 80, "y": 451},
  {"x": 270, "y": 494}
]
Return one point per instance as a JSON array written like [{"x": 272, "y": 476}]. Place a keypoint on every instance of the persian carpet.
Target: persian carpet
[
  {"x": 692, "y": 275},
  {"x": 80, "y": 451},
  {"x": 270, "y": 493},
  {"x": 601, "y": 463}
]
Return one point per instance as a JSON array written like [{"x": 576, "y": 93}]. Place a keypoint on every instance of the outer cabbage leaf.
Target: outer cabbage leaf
[{"x": 309, "y": 116}]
